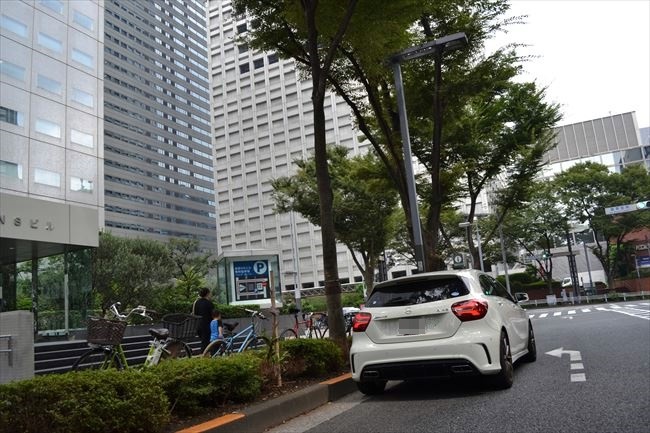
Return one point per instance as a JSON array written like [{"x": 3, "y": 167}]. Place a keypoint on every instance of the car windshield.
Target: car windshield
[{"x": 416, "y": 292}]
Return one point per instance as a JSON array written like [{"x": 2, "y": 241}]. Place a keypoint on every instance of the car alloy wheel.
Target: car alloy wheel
[
  {"x": 531, "y": 356},
  {"x": 504, "y": 379}
]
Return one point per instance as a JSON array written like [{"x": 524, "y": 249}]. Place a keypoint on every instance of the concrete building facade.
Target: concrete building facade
[{"x": 262, "y": 122}]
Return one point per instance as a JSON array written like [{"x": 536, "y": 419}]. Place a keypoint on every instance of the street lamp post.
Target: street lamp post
[
  {"x": 436, "y": 47},
  {"x": 591, "y": 282},
  {"x": 467, "y": 224}
]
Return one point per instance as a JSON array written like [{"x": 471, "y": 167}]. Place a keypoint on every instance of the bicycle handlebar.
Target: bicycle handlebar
[
  {"x": 255, "y": 313},
  {"x": 140, "y": 310}
]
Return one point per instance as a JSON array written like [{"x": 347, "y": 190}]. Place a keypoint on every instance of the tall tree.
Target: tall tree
[
  {"x": 365, "y": 202},
  {"x": 473, "y": 88},
  {"x": 313, "y": 31},
  {"x": 536, "y": 225}
]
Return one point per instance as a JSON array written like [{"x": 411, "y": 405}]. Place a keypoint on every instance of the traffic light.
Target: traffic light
[{"x": 643, "y": 205}]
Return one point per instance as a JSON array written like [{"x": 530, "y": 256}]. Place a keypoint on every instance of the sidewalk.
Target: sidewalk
[{"x": 258, "y": 418}]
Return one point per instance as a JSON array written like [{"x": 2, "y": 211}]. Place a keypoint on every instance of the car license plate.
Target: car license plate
[{"x": 411, "y": 326}]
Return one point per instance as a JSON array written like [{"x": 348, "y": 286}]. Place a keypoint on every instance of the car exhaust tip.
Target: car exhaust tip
[{"x": 462, "y": 369}]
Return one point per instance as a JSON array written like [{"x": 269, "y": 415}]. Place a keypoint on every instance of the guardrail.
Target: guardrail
[{"x": 605, "y": 297}]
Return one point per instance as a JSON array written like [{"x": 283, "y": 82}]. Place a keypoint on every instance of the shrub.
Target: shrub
[
  {"x": 197, "y": 383},
  {"x": 311, "y": 357},
  {"x": 90, "y": 401},
  {"x": 235, "y": 311}
]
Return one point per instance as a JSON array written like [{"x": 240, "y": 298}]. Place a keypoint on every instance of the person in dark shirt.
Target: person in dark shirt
[{"x": 203, "y": 307}]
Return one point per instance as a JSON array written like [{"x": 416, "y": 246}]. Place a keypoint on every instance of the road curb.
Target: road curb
[{"x": 258, "y": 418}]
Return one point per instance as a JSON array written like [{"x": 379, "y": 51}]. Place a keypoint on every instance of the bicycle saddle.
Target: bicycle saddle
[
  {"x": 230, "y": 326},
  {"x": 160, "y": 333}
]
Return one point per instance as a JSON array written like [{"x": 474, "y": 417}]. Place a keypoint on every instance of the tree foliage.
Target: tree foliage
[
  {"x": 586, "y": 189},
  {"x": 364, "y": 206},
  {"x": 493, "y": 126},
  {"x": 131, "y": 271}
]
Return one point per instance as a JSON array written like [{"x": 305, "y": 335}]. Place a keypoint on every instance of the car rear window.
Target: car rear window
[{"x": 416, "y": 292}]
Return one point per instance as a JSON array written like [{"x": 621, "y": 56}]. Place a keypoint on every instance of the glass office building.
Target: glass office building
[
  {"x": 51, "y": 156},
  {"x": 159, "y": 180}
]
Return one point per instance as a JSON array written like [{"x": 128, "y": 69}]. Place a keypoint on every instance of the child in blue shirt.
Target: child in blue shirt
[{"x": 216, "y": 328}]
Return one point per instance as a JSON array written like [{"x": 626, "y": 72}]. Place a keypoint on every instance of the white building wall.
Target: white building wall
[{"x": 262, "y": 121}]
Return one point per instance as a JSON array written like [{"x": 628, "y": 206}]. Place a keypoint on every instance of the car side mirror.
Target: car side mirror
[{"x": 521, "y": 296}]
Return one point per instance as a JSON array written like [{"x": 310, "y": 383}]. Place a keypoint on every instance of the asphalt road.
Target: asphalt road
[{"x": 596, "y": 378}]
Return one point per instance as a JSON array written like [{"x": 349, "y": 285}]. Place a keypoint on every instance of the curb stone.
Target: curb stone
[{"x": 258, "y": 418}]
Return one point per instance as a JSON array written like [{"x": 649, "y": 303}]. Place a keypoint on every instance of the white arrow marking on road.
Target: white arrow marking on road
[{"x": 573, "y": 354}]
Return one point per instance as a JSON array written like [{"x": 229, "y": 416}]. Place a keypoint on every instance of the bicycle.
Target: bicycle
[
  {"x": 315, "y": 326},
  {"x": 105, "y": 336},
  {"x": 233, "y": 343}
]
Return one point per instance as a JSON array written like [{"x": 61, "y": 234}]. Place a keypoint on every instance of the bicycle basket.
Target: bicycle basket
[
  {"x": 181, "y": 326},
  {"x": 104, "y": 331}
]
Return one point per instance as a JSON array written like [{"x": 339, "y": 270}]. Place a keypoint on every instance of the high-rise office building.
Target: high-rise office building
[
  {"x": 262, "y": 122},
  {"x": 159, "y": 179},
  {"x": 51, "y": 151}
]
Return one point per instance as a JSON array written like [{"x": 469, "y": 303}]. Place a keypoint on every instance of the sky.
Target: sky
[{"x": 592, "y": 55}]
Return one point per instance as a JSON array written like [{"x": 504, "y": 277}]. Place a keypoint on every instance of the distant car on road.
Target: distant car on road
[{"x": 438, "y": 324}]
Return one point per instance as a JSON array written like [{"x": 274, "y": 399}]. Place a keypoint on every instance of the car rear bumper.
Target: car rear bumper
[{"x": 460, "y": 355}]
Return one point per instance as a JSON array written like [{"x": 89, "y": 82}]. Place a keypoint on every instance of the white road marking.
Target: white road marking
[
  {"x": 557, "y": 313},
  {"x": 572, "y": 311},
  {"x": 586, "y": 310},
  {"x": 616, "y": 306},
  {"x": 577, "y": 366},
  {"x": 541, "y": 316},
  {"x": 578, "y": 377},
  {"x": 530, "y": 316}
]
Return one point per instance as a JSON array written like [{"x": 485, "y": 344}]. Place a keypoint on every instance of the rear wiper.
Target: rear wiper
[{"x": 397, "y": 301}]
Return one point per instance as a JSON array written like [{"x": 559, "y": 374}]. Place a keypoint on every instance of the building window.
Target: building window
[
  {"x": 82, "y": 138},
  {"x": 52, "y": 86},
  {"x": 11, "y": 169},
  {"x": 243, "y": 48},
  {"x": 48, "y": 128},
  {"x": 83, "y": 58},
  {"x": 84, "y": 20},
  {"x": 53, "y": 5},
  {"x": 273, "y": 58},
  {"x": 258, "y": 63},
  {"x": 242, "y": 28},
  {"x": 11, "y": 70},
  {"x": 13, "y": 26},
  {"x": 46, "y": 177},
  {"x": 83, "y": 98},
  {"x": 11, "y": 116},
  {"x": 244, "y": 68},
  {"x": 50, "y": 43},
  {"x": 81, "y": 185}
]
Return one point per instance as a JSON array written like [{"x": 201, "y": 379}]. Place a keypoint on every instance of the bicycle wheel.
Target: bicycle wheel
[
  {"x": 258, "y": 343},
  {"x": 288, "y": 334},
  {"x": 214, "y": 349},
  {"x": 176, "y": 349},
  {"x": 98, "y": 358}
]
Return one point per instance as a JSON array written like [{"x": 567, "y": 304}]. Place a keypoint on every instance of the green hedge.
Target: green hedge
[
  {"x": 308, "y": 357},
  {"x": 194, "y": 384},
  {"x": 92, "y": 401},
  {"x": 143, "y": 401}
]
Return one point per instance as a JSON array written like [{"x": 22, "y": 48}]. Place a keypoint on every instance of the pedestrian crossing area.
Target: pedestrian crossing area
[{"x": 639, "y": 310}]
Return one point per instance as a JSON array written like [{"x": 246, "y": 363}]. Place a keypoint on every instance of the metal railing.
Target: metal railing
[{"x": 605, "y": 297}]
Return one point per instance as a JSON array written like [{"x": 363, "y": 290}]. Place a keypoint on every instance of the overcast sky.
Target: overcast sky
[{"x": 593, "y": 55}]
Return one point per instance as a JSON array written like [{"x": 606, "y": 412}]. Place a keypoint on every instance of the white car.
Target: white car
[{"x": 439, "y": 324}]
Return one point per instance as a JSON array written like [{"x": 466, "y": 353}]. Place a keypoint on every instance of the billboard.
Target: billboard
[{"x": 251, "y": 279}]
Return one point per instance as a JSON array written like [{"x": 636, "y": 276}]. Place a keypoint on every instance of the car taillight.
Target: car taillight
[
  {"x": 470, "y": 310},
  {"x": 361, "y": 322}
]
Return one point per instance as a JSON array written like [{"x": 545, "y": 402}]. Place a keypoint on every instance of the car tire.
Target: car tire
[
  {"x": 531, "y": 356},
  {"x": 504, "y": 378},
  {"x": 372, "y": 388}
]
